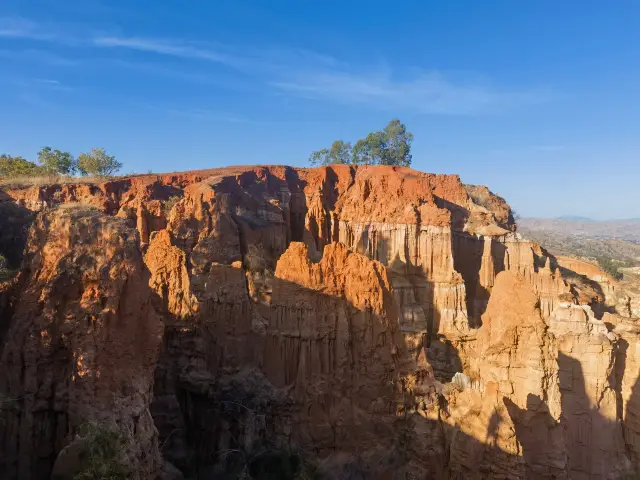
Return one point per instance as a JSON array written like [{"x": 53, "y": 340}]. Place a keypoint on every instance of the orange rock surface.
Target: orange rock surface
[{"x": 376, "y": 321}]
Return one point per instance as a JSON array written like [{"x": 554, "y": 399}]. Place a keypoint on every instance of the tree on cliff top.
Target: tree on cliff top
[
  {"x": 390, "y": 146},
  {"x": 56, "y": 162},
  {"x": 16, "y": 167},
  {"x": 98, "y": 162},
  {"x": 340, "y": 152}
]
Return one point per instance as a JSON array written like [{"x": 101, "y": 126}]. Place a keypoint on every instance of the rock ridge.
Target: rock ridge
[{"x": 368, "y": 319}]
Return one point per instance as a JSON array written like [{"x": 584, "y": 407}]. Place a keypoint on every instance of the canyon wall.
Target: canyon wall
[{"x": 375, "y": 322}]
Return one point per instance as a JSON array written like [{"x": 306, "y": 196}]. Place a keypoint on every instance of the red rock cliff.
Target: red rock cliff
[{"x": 374, "y": 319}]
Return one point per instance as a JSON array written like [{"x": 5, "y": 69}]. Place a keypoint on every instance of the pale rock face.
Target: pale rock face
[
  {"x": 556, "y": 379},
  {"x": 627, "y": 375},
  {"x": 384, "y": 322}
]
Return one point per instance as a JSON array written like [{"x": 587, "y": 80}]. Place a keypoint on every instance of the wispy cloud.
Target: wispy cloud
[
  {"x": 309, "y": 75},
  {"x": 36, "y": 92},
  {"x": 16, "y": 27},
  {"x": 39, "y": 56},
  {"x": 52, "y": 84},
  {"x": 249, "y": 60},
  {"x": 163, "y": 47},
  {"x": 48, "y": 81},
  {"x": 195, "y": 113},
  {"x": 427, "y": 93},
  {"x": 314, "y": 76}
]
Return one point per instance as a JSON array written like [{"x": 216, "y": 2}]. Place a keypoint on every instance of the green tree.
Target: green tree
[
  {"x": 340, "y": 152},
  {"x": 395, "y": 147},
  {"x": 16, "y": 167},
  {"x": 368, "y": 151},
  {"x": 55, "y": 162},
  {"x": 98, "y": 162},
  {"x": 390, "y": 146}
]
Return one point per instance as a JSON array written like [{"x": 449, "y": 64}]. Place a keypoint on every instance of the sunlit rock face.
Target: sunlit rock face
[{"x": 375, "y": 322}]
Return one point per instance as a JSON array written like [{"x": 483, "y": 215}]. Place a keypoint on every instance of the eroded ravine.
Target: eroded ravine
[{"x": 320, "y": 312}]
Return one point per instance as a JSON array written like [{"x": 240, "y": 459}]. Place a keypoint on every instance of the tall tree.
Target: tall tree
[
  {"x": 396, "y": 144},
  {"x": 340, "y": 152},
  {"x": 390, "y": 146},
  {"x": 16, "y": 166},
  {"x": 98, "y": 162},
  {"x": 368, "y": 151},
  {"x": 55, "y": 162}
]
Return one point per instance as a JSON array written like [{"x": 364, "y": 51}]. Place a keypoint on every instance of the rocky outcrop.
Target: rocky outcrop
[
  {"x": 374, "y": 321},
  {"x": 81, "y": 343}
]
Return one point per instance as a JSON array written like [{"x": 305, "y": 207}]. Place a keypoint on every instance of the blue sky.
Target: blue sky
[{"x": 538, "y": 100}]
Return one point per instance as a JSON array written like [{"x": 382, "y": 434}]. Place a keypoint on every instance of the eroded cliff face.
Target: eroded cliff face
[
  {"x": 374, "y": 321},
  {"x": 80, "y": 343}
]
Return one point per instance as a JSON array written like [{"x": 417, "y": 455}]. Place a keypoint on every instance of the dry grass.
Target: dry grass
[
  {"x": 76, "y": 205},
  {"x": 21, "y": 182},
  {"x": 45, "y": 180}
]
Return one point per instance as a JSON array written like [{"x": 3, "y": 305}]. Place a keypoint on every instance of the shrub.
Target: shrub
[
  {"x": 168, "y": 204},
  {"x": 56, "y": 162},
  {"x": 98, "y": 162},
  {"x": 610, "y": 267},
  {"x": 5, "y": 272},
  {"x": 12, "y": 167},
  {"x": 104, "y": 451}
]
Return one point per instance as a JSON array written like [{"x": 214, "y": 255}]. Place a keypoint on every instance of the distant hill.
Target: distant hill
[
  {"x": 628, "y": 230},
  {"x": 575, "y": 218},
  {"x": 615, "y": 239}
]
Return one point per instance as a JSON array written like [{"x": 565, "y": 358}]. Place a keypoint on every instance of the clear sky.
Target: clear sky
[{"x": 539, "y": 100}]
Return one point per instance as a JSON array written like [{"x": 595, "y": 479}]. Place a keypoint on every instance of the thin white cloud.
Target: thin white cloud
[
  {"x": 48, "y": 81},
  {"x": 427, "y": 93},
  {"x": 21, "y": 28},
  {"x": 163, "y": 47},
  {"x": 249, "y": 60},
  {"x": 196, "y": 113},
  {"x": 310, "y": 75},
  {"x": 39, "y": 56},
  {"x": 315, "y": 76},
  {"x": 548, "y": 148}
]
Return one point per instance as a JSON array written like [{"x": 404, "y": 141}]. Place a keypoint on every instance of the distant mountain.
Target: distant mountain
[
  {"x": 580, "y": 237},
  {"x": 628, "y": 230},
  {"x": 575, "y": 218}
]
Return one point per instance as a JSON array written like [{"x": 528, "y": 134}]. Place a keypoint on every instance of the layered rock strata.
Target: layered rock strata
[{"x": 375, "y": 320}]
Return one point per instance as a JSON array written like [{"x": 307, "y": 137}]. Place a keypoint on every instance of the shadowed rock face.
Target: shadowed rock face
[
  {"x": 81, "y": 342},
  {"x": 377, "y": 322}
]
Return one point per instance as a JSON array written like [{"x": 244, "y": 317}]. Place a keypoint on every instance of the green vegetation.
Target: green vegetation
[
  {"x": 612, "y": 267},
  {"x": 5, "y": 272},
  {"x": 104, "y": 451},
  {"x": 168, "y": 204},
  {"x": 17, "y": 167},
  {"x": 390, "y": 146},
  {"x": 56, "y": 162},
  {"x": 56, "y": 165},
  {"x": 98, "y": 163},
  {"x": 340, "y": 152}
]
